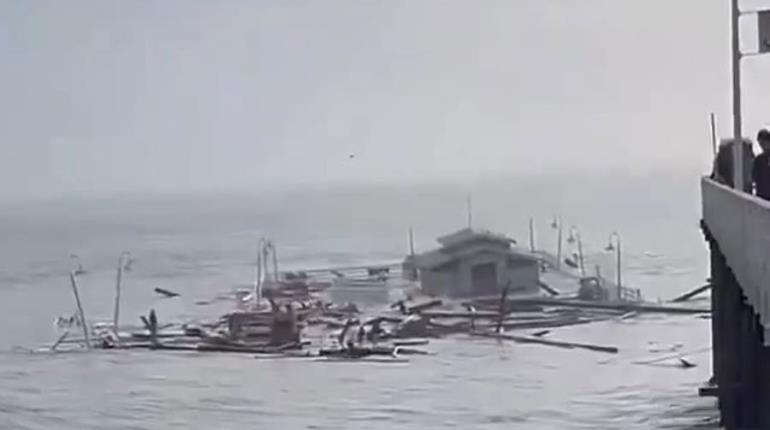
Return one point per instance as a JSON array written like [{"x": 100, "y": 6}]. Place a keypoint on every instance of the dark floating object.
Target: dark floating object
[
  {"x": 548, "y": 289},
  {"x": 691, "y": 294},
  {"x": 166, "y": 293},
  {"x": 686, "y": 364}
]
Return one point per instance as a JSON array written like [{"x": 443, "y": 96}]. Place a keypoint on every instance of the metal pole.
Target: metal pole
[
  {"x": 254, "y": 286},
  {"x": 737, "y": 120},
  {"x": 275, "y": 262},
  {"x": 558, "y": 247},
  {"x": 469, "y": 208},
  {"x": 82, "y": 314},
  {"x": 713, "y": 134},
  {"x": 411, "y": 241},
  {"x": 620, "y": 288},
  {"x": 265, "y": 263},
  {"x": 580, "y": 255},
  {"x": 257, "y": 275},
  {"x": 116, "y": 313},
  {"x": 258, "y": 285},
  {"x": 118, "y": 284},
  {"x": 532, "y": 234}
]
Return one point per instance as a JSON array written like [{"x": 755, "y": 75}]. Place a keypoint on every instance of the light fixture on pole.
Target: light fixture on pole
[
  {"x": 617, "y": 247},
  {"x": 557, "y": 225},
  {"x": 79, "y": 269},
  {"x": 574, "y": 236}
]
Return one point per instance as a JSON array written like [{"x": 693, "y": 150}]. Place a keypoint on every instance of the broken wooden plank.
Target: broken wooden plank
[
  {"x": 492, "y": 305},
  {"x": 691, "y": 294},
  {"x": 368, "y": 359},
  {"x": 460, "y": 314},
  {"x": 626, "y": 307},
  {"x": 424, "y": 306},
  {"x": 166, "y": 293},
  {"x": 60, "y": 340},
  {"x": 548, "y": 289},
  {"x": 411, "y": 342},
  {"x": 551, "y": 323},
  {"x": 266, "y": 349},
  {"x": 558, "y": 344}
]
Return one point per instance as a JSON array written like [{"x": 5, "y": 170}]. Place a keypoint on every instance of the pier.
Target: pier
[
  {"x": 736, "y": 225},
  {"x": 737, "y": 228}
]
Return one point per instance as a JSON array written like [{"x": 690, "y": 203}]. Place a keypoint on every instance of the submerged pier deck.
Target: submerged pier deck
[{"x": 737, "y": 228}]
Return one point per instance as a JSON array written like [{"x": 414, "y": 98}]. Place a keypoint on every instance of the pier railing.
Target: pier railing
[{"x": 740, "y": 225}]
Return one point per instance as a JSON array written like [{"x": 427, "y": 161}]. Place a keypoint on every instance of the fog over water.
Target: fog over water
[{"x": 189, "y": 95}]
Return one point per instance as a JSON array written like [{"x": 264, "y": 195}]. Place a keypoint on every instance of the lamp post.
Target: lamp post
[
  {"x": 737, "y": 120},
  {"x": 574, "y": 236},
  {"x": 124, "y": 262},
  {"x": 469, "y": 209},
  {"x": 617, "y": 247},
  {"x": 557, "y": 225},
  {"x": 763, "y": 30},
  {"x": 259, "y": 269},
  {"x": 79, "y": 269},
  {"x": 81, "y": 313},
  {"x": 532, "y": 234}
]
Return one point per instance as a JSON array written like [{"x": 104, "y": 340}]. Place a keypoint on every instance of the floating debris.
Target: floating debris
[
  {"x": 166, "y": 293},
  {"x": 687, "y": 296}
]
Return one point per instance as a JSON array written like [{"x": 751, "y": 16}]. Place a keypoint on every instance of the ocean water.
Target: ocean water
[{"x": 204, "y": 244}]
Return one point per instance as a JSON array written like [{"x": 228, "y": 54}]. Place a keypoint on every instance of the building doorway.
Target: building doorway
[{"x": 484, "y": 279}]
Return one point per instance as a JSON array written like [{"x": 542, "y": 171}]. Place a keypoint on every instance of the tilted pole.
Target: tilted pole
[{"x": 82, "y": 314}]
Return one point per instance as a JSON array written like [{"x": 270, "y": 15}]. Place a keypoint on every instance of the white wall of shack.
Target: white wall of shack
[{"x": 457, "y": 282}]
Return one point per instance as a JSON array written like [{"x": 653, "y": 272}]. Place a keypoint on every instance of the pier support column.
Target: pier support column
[
  {"x": 747, "y": 388},
  {"x": 717, "y": 274},
  {"x": 741, "y": 362},
  {"x": 762, "y": 357},
  {"x": 726, "y": 302}
]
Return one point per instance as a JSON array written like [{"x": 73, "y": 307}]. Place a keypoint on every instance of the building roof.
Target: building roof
[
  {"x": 466, "y": 243},
  {"x": 468, "y": 234}
]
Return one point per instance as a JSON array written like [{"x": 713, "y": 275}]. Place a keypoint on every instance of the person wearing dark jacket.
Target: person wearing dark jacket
[
  {"x": 723, "y": 165},
  {"x": 761, "y": 170}
]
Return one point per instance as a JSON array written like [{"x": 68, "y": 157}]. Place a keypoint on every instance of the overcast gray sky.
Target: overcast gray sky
[{"x": 186, "y": 94}]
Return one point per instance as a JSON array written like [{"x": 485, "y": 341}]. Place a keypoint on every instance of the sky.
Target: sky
[{"x": 141, "y": 95}]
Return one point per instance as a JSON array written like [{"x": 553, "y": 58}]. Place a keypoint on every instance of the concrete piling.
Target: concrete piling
[{"x": 741, "y": 362}]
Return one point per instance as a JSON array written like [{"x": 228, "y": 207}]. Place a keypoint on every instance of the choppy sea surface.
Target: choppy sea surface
[{"x": 203, "y": 245}]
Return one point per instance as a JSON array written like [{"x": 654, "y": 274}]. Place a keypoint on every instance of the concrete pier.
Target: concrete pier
[{"x": 737, "y": 227}]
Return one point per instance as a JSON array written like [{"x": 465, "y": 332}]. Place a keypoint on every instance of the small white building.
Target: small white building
[{"x": 476, "y": 263}]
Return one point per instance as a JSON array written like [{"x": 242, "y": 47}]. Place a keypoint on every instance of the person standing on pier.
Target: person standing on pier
[
  {"x": 760, "y": 172},
  {"x": 723, "y": 165}
]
